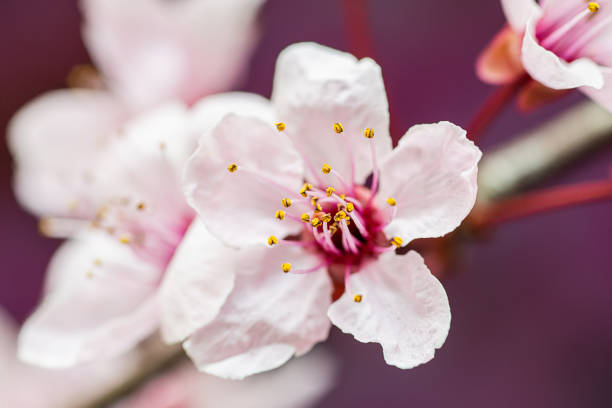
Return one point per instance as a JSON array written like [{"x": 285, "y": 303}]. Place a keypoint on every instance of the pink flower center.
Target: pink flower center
[
  {"x": 342, "y": 224},
  {"x": 570, "y": 30}
]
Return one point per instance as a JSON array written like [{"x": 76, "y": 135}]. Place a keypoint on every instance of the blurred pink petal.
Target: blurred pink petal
[
  {"x": 154, "y": 50},
  {"x": 518, "y": 11}
]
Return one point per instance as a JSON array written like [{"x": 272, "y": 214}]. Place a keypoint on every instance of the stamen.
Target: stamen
[
  {"x": 397, "y": 242},
  {"x": 272, "y": 240},
  {"x": 593, "y": 7},
  {"x": 124, "y": 239},
  {"x": 326, "y": 169},
  {"x": 286, "y": 202},
  {"x": 327, "y": 234},
  {"x": 369, "y": 133},
  {"x": 350, "y": 207},
  {"x": 338, "y": 128},
  {"x": 279, "y": 215},
  {"x": 326, "y": 218},
  {"x": 556, "y": 35},
  {"x": 305, "y": 217},
  {"x": 286, "y": 267},
  {"x": 374, "y": 170},
  {"x": 232, "y": 167},
  {"x": 315, "y": 222},
  {"x": 391, "y": 201},
  {"x": 329, "y": 191},
  {"x": 280, "y": 126},
  {"x": 585, "y": 39},
  {"x": 140, "y": 206},
  {"x": 305, "y": 188},
  {"x": 358, "y": 298}
]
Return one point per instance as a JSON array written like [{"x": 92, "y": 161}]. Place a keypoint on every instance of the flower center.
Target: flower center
[{"x": 570, "y": 32}]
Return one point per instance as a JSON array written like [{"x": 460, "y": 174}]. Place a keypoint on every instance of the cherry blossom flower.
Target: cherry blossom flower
[
  {"x": 561, "y": 44},
  {"x": 300, "y": 384},
  {"x": 22, "y": 385},
  {"x": 315, "y": 242},
  {"x": 119, "y": 197}
]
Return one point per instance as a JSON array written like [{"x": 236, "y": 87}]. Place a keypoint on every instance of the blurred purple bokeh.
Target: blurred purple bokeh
[{"x": 532, "y": 311}]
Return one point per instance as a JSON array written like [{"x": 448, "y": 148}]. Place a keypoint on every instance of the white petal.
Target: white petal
[
  {"x": 403, "y": 307},
  {"x": 432, "y": 176},
  {"x": 315, "y": 87},
  {"x": 518, "y": 12},
  {"x": 57, "y": 141},
  {"x": 268, "y": 317},
  {"x": 197, "y": 282},
  {"x": 547, "y": 68},
  {"x": 269, "y": 169},
  {"x": 100, "y": 302}
]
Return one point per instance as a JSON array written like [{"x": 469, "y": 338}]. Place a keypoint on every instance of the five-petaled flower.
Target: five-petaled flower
[
  {"x": 562, "y": 44},
  {"x": 286, "y": 187}
]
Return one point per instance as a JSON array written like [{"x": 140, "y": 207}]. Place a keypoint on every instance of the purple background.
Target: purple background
[{"x": 532, "y": 311}]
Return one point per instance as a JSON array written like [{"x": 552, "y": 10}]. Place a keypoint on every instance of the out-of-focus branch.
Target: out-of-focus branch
[
  {"x": 151, "y": 358},
  {"x": 532, "y": 156}
]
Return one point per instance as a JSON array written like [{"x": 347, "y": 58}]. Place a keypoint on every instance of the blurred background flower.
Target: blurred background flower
[{"x": 530, "y": 301}]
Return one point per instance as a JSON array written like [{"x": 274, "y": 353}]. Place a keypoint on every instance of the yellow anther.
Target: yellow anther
[
  {"x": 279, "y": 215},
  {"x": 97, "y": 262},
  {"x": 314, "y": 201},
  {"x": 280, "y": 126},
  {"x": 232, "y": 167},
  {"x": 272, "y": 240},
  {"x": 286, "y": 267},
  {"x": 329, "y": 191},
  {"x": 343, "y": 196},
  {"x": 358, "y": 298},
  {"x": 391, "y": 201},
  {"x": 305, "y": 217},
  {"x": 341, "y": 206},
  {"x": 397, "y": 242},
  {"x": 333, "y": 229},
  {"x": 286, "y": 202},
  {"x": 369, "y": 133},
  {"x": 338, "y": 127},
  {"x": 124, "y": 239},
  {"x": 318, "y": 207},
  {"x": 89, "y": 274},
  {"x": 326, "y": 217},
  {"x": 340, "y": 215},
  {"x": 306, "y": 187},
  {"x": 140, "y": 206},
  {"x": 315, "y": 222},
  {"x": 593, "y": 7},
  {"x": 350, "y": 207},
  {"x": 326, "y": 169}
]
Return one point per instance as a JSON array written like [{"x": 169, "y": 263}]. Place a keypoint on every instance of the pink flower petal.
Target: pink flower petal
[
  {"x": 432, "y": 176},
  {"x": 403, "y": 307},
  {"x": 57, "y": 141},
  {"x": 518, "y": 12},
  {"x": 546, "y": 67},
  {"x": 268, "y": 317},
  {"x": 100, "y": 302},
  {"x": 153, "y": 51},
  {"x": 268, "y": 170},
  {"x": 197, "y": 283},
  {"x": 602, "y": 96},
  {"x": 315, "y": 87}
]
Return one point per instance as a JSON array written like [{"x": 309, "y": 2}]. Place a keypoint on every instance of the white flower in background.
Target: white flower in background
[{"x": 255, "y": 183}]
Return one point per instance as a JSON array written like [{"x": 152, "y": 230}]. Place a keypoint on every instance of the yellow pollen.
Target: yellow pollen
[
  {"x": 280, "y": 126},
  {"x": 306, "y": 187},
  {"x": 326, "y": 218},
  {"x": 330, "y": 191},
  {"x": 272, "y": 240},
  {"x": 98, "y": 262},
  {"x": 286, "y": 267},
  {"x": 318, "y": 207},
  {"x": 314, "y": 201},
  {"x": 279, "y": 215},
  {"x": 232, "y": 167},
  {"x": 350, "y": 207},
  {"x": 593, "y": 7},
  {"x": 124, "y": 239},
  {"x": 315, "y": 222},
  {"x": 305, "y": 217},
  {"x": 326, "y": 169},
  {"x": 397, "y": 242},
  {"x": 286, "y": 202},
  {"x": 89, "y": 274},
  {"x": 358, "y": 298},
  {"x": 391, "y": 201},
  {"x": 333, "y": 229},
  {"x": 338, "y": 127},
  {"x": 140, "y": 206},
  {"x": 369, "y": 133},
  {"x": 340, "y": 215}
]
